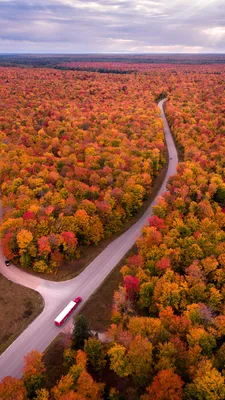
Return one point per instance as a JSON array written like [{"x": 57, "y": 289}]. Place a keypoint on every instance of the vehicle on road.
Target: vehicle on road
[
  {"x": 67, "y": 311},
  {"x": 7, "y": 263}
]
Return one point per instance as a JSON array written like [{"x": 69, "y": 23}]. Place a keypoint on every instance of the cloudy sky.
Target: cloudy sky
[{"x": 99, "y": 26}]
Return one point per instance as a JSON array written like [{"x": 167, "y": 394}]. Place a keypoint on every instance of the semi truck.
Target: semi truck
[{"x": 67, "y": 311}]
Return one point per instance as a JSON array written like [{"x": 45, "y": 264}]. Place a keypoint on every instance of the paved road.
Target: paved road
[{"x": 58, "y": 294}]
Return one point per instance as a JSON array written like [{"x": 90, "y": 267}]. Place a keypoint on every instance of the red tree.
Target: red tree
[{"x": 131, "y": 284}]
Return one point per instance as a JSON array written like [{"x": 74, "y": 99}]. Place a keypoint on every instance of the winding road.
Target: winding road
[{"x": 57, "y": 295}]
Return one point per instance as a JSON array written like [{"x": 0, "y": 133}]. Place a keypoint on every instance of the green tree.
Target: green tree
[
  {"x": 146, "y": 293},
  {"x": 118, "y": 360},
  {"x": 81, "y": 332},
  {"x": 95, "y": 353}
]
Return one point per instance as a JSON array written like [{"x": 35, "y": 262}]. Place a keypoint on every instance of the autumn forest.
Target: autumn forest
[
  {"x": 78, "y": 156},
  {"x": 80, "y": 147}
]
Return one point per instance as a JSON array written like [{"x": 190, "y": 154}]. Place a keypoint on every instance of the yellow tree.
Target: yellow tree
[
  {"x": 208, "y": 383},
  {"x": 33, "y": 371},
  {"x": 42, "y": 394},
  {"x": 87, "y": 387},
  {"x": 63, "y": 387},
  {"x": 139, "y": 357},
  {"x": 118, "y": 360}
]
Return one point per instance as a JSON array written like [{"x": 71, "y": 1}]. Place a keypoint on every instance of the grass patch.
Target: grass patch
[{"x": 19, "y": 307}]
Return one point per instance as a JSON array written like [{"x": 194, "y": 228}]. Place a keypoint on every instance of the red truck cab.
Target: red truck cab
[{"x": 78, "y": 300}]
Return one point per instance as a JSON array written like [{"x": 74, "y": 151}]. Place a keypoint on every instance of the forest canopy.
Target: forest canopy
[
  {"x": 80, "y": 149},
  {"x": 78, "y": 155}
]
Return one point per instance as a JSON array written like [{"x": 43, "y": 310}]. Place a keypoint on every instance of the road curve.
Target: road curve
[{"x": 56, "y": 295}]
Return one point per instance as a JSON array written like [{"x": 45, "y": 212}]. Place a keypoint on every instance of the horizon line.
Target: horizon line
[{"x": 111, "y": 53}]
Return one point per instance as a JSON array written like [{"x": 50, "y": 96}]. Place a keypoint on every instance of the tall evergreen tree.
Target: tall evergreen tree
[{"x": 81, "y": 332}]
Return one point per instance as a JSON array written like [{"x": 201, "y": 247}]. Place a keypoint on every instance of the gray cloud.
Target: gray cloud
[{"x": 112, "y": 26}]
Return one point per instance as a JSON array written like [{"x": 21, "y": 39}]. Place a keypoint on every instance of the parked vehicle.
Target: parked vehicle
[
  {"x": 67, "y": 311},
  {"x": 7, "y": 263}
]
